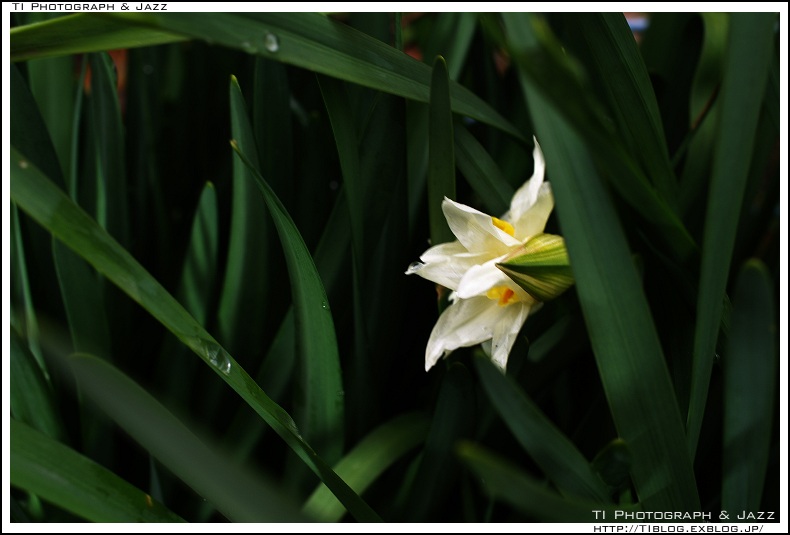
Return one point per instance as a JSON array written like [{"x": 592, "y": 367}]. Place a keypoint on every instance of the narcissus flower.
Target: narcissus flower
[{"x": 500, "y": 270}]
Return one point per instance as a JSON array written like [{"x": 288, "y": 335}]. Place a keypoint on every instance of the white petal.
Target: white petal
[
  {"x": 527, "y": 195},
  {"x": 476, "y": 230},
  {"x": 533, "y": 221},
  {"x": 465, "y": 323},
  {"x": 444, "y": 264},
  {"x": 479, "y": 279},
  {"x": 506, "y": 331}
]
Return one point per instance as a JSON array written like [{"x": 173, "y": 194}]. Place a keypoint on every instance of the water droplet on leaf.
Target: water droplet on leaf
[
  {"x": 247, "y": 46},
  {"x": 271, "y": 42},
  {"x": 216, "y": 355}
]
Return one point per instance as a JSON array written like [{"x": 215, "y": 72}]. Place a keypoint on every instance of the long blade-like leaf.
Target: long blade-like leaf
[
  {"x": 530, "y": 496},
  {"x": 315, "y": 330},
  {"x": 308, "y": 40},
  {"x": 31, "y": 396},
  {"x": 562, "y": 463},
  {"x": 610, "y": 44},
  {"x": 703, "y": 108},
  {"x": 555, "y": 75},
  {"x": 367, "y": 461},
  {"x": 246, "y": 290},
  {"x": 52, "y": 209},
  {"x": 623, "y": 335},
  {"x": 749, "y": 386},
  {"x": 108, "y": 128},
  {"x": 74, "y": 34},
  {"x": 236, "y": 492},
  {"x": 746, "y": 74},
  {"x": 452, "y": 421},
  {"x": 482, "y": 172},
  {"x": 441, "y": 153},
  {"x": 62, "y": 476}
]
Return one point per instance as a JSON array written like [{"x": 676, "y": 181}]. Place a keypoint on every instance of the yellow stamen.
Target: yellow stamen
[
  {"x": 504, "y": 225},
  {"x": 502, "y": 294}
]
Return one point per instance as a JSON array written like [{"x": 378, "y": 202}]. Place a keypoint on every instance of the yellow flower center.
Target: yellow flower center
[
  {"x": 502, "y": 295},
  {"x": 504, "y": 225}
]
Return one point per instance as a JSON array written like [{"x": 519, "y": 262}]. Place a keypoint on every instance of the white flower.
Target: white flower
[{"x": 485, "y": 303}]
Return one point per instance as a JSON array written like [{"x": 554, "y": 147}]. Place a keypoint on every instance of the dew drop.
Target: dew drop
[
  {"x": 414, "y": 267},
  {"x": 271, "y": 42},
  {"x": 216, "y": 355},
  {"x": 324, "y": 305},
  {"x": 247, "y": 46}
]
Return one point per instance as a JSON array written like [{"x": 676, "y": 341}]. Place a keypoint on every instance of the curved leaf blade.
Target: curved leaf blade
[
  {"x": 622, "y": 73},
  {"x": 749, "y": 386},
  {"x": 75, "y": 34},
  {"x": 62, "y": 476},
  {"x": 557, "y": 456},
  {"x": 747, "y": 67},
  {"x": 367, "y": 461},
  {"x": 623, "y": 336},
  {"x": 52, "y": 209},
  {"x": 322, "y": 382},
  {"x": 512, "y": 485},
  {"x": 441, "y": 153},
  {"x": 236, "y": 492},
  {"x": 307, "y": 40}
]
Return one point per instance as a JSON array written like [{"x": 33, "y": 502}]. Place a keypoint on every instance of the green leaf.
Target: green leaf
[
  {"x": 441, "y": 154},
  {"x": 62, "y": 476},
  {"x": 74, "y": 34},
  {"x": 28, "y": 130},
  {"x": 452, "y": 421},
  {"x": 747, "y": 66},
  {"x": 512, "y": 485},
  {"x": 198, "y": 275},
  {"x": 750, "y": 380},
  {"x": 558, "y": 79},
  {"x": 356, "y": 190},
  {"x": 613, "y": 464},
  {"x": 53, "y": 85},
  {"x": 619, "y": 70},
  {"x": 195, "y": 292},
  {"x": 83, "y": 301},
  {"x": 31, "y": 396},
  {"x": 482, "y": 172},
  {"x": 322, "y": 383},
  {"x": 112, "y": 210},
  {"x": 704, "y": 108},
  {"x": 367, "y": 461},
  {"x": 273, "y": 127},
  {"x": 307, "y": 40},
  {"x": 236, "y": 492},
  {"x": 245, "y": 290},
  {"x": 624, "y": 339},
  {"x": 556, "y": 455},
  {"x": 450, "y": 37},
  {"x": 277, "y": 367},
  {"x": 343, "y": 128},
  {"x": 416, "y": 160},
  {"x": 24, "y": 320},
  {"x": 52, "y": 209}
]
